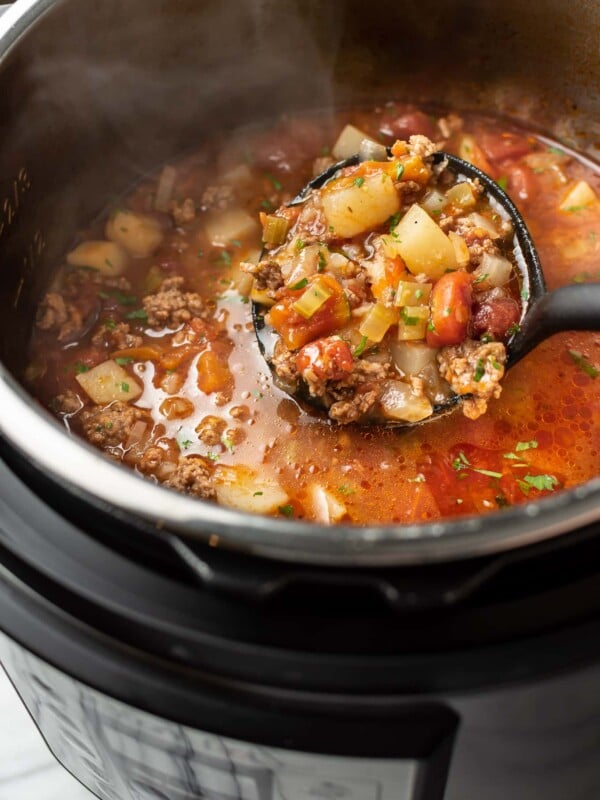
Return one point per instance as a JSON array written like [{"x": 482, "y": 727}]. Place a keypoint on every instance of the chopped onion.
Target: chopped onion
[
  {"x": 348, "y": 142},
  {"x": 461, "y": 195},
  {"x": 164, "y": 191},
  {"x": 372, "y": 151},
  {"x": 479, "y": 221},
  {"x": 399, "y": 401},
  {"x": 461, "y": 251},
  {"x": 411, "y": 357},
  {"x": 493, "y": 271},
  {"x": 326, "y": 507},
  {"x": 433, "y": 202},
  {"x": 241, "y": 488},
  {"x": 578, "y": 197}
]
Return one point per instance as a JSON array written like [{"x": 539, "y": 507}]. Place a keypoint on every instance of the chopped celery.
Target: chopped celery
[
  {"x": 375, "y": 325},
  {"x": 413, "y": 323},
  {"x": 411, "y": 293},
  {"x": 275, "y": 229},
  {"x": 313, "y": 298}
]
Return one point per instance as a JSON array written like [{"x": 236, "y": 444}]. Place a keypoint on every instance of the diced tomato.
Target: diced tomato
[
  {"x": 297, "y": 331},
  {"x": 500, "y": 146},
  {"x": 522, "y": 182},
  {"x": 328, "y": 359},
  {"x": 402, "y": 126},
  {"x": 450, "y": 309},
  {"x": 213, "y": 373},
  {"x": 495, "y": 317}
]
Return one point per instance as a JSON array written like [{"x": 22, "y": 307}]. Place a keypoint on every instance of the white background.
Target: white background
[{"x": 28, "y": 771}]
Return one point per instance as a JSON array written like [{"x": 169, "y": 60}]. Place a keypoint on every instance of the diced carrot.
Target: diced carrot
[
  {"x": 175, "y": 357},
  {"x": 144, "y": 353},
  {"x": 213, "y": 373}
]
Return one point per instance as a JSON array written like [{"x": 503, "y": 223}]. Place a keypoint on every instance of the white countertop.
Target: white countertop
[{"x": 28, "y": 771}]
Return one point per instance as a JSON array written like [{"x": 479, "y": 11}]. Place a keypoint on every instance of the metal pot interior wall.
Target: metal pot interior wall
[{"x": 95, "y": 95}]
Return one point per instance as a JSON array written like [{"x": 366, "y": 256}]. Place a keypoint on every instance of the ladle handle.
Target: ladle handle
[{"x": 570, "y": 308}]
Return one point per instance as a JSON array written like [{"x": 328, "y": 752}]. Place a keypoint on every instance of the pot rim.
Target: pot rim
[
  {"x": 42, "y": 440},
  {"x": 113, "y": 487}
]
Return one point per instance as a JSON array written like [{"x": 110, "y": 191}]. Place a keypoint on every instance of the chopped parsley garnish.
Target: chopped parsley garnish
[
  {"x": 359, "y": 181},
  {"x": 419, "y": 294},
  {"x": 575, "y": 209},
  {"x": 257, "y": 494},
  {"x": 199, "y": 253},
  {"x": 394, "y": 220},
  {"x": 108, "y": 263},
  {"x": 514, "y": 329},
  {"x": 185, "y": 444},
  {"x": 487, "y": 472},
  {"x": 225, "y": 257},
  {"x": 124, "y": 387},
  {"x": 235, "y": 242},
  {"x": 431, "y": 326},
  {"x": 125, "y": 299},
  {"x": 267, "y": 205},
  {"x": 486, "y": 337},
  {"x": 502, "y": 182},
  {"x": 556, "y": 151},
  {"x": 139, "y": 313},
  {"x": 479, "y": 371},
  {"x": 227, "y": 443},
  {"x": 361, "y": 346},
  {"x": 543, "y": 483},
  {"x": 345, "y": 489},
  {"x": 300, "y": 245},
  {"x": 524, "y": 294},
  {"x": 481, "y": 278},
  {"x": 287, "y": 510},
  {"x": 531, "y": 445},
  {"x": 80, "y": 367},
  {"x": 300, "y": 284},
  {"x": 448, "y": 311},
  {"x": 495, "y": 364},
  {"x": 122, "y": 360},
  {"x": 110, "y": 324},
  {"x": 322, "y": 263},
  {"x": 399, "y": 171},
  {"x": 584, "y": 365},
  {"x": 408, "y": 320},
  {"x": 419, "y": 478},
  {"x": 212, "y": 456},
  {"x": 461, "y": 462},
  {"x": 277, "y": 185}
]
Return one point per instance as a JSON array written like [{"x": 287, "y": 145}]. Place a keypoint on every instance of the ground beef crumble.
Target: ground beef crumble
[
  {"x": 111, "y": 426},
  {"x": 192, "y": 476},
  {"x": 169, "y": 307},
  {"x": 116, "y": 337},
  {"x": 474, "y": 368},
  {"x": 57, "y": 315}
]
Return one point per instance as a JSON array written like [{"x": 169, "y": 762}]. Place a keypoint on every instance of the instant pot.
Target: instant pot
[{"x": 169, "y": 649}]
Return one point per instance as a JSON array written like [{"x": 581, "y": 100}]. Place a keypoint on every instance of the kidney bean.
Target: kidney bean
[{"x": 495, "y": 317}]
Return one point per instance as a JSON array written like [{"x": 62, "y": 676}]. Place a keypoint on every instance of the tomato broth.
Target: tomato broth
[{"x": 144, "y": 344}]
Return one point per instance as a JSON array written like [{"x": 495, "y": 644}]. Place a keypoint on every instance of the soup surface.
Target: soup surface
[{"x": 144, "y": 343}]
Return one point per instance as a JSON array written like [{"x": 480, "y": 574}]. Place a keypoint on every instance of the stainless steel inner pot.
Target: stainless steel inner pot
[{"x": 95, "y": 95}]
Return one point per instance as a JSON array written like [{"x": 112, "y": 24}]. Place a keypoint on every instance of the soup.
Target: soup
[{"x": 144, "y": 343}]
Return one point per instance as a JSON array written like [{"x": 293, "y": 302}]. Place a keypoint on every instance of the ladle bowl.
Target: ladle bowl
[{"x": 543, "y": 313}]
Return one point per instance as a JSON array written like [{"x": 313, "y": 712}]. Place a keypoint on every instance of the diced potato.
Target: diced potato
[
  {"x": 461, "y": 251},
  {"x": 225, "y": 226},
  {"x": 348, "y": 142},
  {"x": 109, "y": 258},
  {"x": 140, "y": 234},
  {"x": 423, "y": 245},
  {"x": 411, "y": 357},
  {"x": 461, "y": 195},
  {"x": 238, "y": 176},
  {"x": 412, "y": 324},
  {"x": 353, "y": 207},
  {"x": 108, "y": 382},
  {"x": 242, "y": 488},
  {"x": 399, "y": 401},
  {"x": 325, "y": 506},
  {"x": 262, "y": 297},
  {"x": 412, "y": 293},
  {"x": 579, "y": 196}
]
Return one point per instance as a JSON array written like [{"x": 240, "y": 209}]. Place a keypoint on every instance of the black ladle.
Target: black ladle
[{"x": 544, "y": 313}]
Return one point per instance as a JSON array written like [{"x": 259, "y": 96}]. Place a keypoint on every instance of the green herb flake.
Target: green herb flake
[
  {"x": 110, "y": 324},
  {"x": 257, "y": 494},
  {"x": 227, "y": 443},
  {"x": 408, "y": 320},
  {"x": 503, "y": 182},
  {"x": 575, "y": 209},
  {"x": 225, "y": 257},
  {"x": 277, "y": 185},
  {"x": 139, "y": 313},
  {"x": 300, "y": 245},
  {"x": 122, "y": 360},
  {"x": 345, "y": 489},
  {"x": 556, "y": 151},
  {"x": 481, "y": 278},
  {"x": 514, "y": 329},
  {"x": 199, "y": 253},
  {"x": 419, "y": 478},
  {"x": 461, "y": 462},
  {"x": 488, "y": 472},
  {"x": 359, "y": 350},
  {"x": 359, "y": 181},
  {"x": 448, "y": 311},
  {"x": 235, "y": 243},
  {"x": 394, "y": 220},
  {"x": 486, "y": 337},
  {"x": 300, "y": 284},
  {"x": 267, "y": 205},
  {"x": 419, "y": 294},
  {"x": 399, "y": 171},
  {"x": 80, "y": 367},
  {"x": 431, "y": 326},
  {"x": 125, "y": 299},
  {"x": 479, "y": 370},
  {"x": 213, "y": 456},
  {"x": 124, "y": 387},
  {"x": 185, "y": 444},
  {"x": 287, "y": 510},
  {"x": 495, "y": 364},
  {"x": 322, "y": 263},
  {"x": 584, "y": 365},
  {"x": 103, "y": 295},
  {"x": 543, "y": 483},
  {"x": 531, "y": 445},
  {"x": 108, "y": 263},
  {"x": 524, "y": 294}
]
